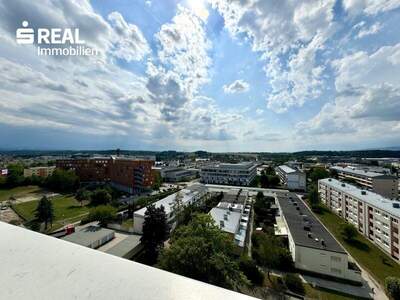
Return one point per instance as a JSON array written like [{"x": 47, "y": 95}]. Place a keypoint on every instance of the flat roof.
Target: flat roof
[
  {"x": 187, "y": 193},
  {"x": 88, "y": 235},
  {"x": 371, "y": 198},
  {"x": 296, "y": 219},
  {"x": 126, "y": 246},
  {"x": 37, "y": 266},
  {"x": 287, "y": 169},
  {"x": 356, "y": 171},
  {"x": 232, "y": 224},
  {"x": 239, "y": 166}
]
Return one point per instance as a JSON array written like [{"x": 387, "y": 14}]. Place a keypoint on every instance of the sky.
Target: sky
[{"x": 215, "y": 75}]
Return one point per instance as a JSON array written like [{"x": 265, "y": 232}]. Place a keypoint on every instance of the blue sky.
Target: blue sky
[{"x": 216, "y": 75}]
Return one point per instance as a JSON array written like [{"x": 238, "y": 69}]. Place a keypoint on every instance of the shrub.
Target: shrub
[
  {"x": 294, "y": 283},
  {"x": 392, "y": 286},
  {"x": 103, "y": 213}
]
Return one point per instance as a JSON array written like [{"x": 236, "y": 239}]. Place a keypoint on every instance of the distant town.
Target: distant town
[{"x": 317, "y": 224}]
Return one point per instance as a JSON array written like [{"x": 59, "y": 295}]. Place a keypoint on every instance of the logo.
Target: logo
[{"x": 54, "y": 41}]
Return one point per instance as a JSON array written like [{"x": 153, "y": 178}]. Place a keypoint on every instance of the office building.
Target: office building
[
  {"x": 232, "y": 215},
  {"x": 292, "y": 179},
  {"x": 177, "y": 174},
  {"x": 241, "y": 174},
  {"x": 128, "y": 174},
  {"x": 189, "y": 195},
  {"x": 39, "y": 171},
  {"x": 312, "y": 247},
  {"x": 383, "y": 184},
  {"x": 374, "y": 216}
]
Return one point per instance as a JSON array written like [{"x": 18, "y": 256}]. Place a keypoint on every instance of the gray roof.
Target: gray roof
[
  {"x": 238, "y": 166},
  {"x": 371, "y": 198},
  {"x": 126, "y": 246},
  {"x": 360, "y": 172},
  {"x": 88, "y": 235},
  {"x": 296, "y": 219},
  {"x": 287, "y": 169}
]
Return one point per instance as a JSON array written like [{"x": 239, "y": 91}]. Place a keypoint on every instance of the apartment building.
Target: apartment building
[
  {"x": 312, "y": 247},
  {"x": 241, "y": 174},
  {"x": 232, "y": 215},
  {"x": 374, "y": 216},
  {"x": 128, "y": 174},
  {"x": 292, "y": 179},
  {"x": 190, "y": 195},
  {"x": 383, "y": 184},
  {"x": 39, "y": 171}
]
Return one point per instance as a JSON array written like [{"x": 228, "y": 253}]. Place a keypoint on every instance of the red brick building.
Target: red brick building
[{"x": 130, "y": 175}]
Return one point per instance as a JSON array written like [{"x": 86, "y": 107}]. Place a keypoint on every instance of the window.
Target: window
[{"x": 336, "y": 259}]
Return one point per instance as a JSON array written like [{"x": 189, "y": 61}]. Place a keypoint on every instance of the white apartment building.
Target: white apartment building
[
  {"x": 293, "y": 179},
  {"x": 233, "y": 216},
  {"x": 312, "y": 247},
  {"x": 190, "y": 195},
  {"x": 374, "y": 216},
  {"x": 385, "y": 185},
  {"x": 241, "y": 174}
]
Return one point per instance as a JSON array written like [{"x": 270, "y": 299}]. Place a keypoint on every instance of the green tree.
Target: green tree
[
  {"x": 82, "y": 195},
  {"x": 63, "y": 181},
  {"x": 202, "y": 251},
  {"x": 104, "y": 214},
  {"x": 15, "y": 175},
  {"x": 100, "y": 197},
  {"x": 313, "y": 198},
  {"x": 44, "y": 211},
  {"x": 349, "y": 232},
  {"x": 178, "y": 208},
  {"x": 293, "y": 282},
  {"x": 318, "y": 173},
  {"x": 157, "y": 181},
  {"x": 155, "y": 232},
  {"x": 251, "y": 271},
  {"x": 273, "y": 180},
  {"x": 264, "y": 180},
  {"x": 392, "y": 286}
]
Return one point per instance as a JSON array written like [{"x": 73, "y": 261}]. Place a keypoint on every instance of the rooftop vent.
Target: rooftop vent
[
  {"x": 221, "y": 224},
  {"x": 396, "y": 205},
  {"x": 323, "y": 243},
  {"x": 225, "y": 217},
  {"x": 343, "y": 185},
  {"x": 307, "y": 228},
  {"x": 297, "y": 208},
  {"x": 363, "y": 192},
  {"x": 317, "y": 240},
  {"x": 309, "y": 234},
  {"x": 329, "y": 179}
]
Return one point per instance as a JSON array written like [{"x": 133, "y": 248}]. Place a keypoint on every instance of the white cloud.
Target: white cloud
[
  {"x": 373, "y": 29},
  {"x": 370, "y": 7},
  {"x": 259, "y": 111},
  {"x": 290, "y": 34},
  {"x": 238, "y": 86}
]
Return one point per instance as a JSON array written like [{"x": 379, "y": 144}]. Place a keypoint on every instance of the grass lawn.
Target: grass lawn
[
  {"x": 66, "y": 208},
  {"x": 322, "y": 294},
  {"x": 127, "y": 224},
  {"x": 369, "y": 256},
  {"x": 20, "y": 191}
]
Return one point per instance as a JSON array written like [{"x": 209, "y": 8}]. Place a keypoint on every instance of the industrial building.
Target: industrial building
[
  {"x": 37, "y": 266},
  {"x": 128, "y": 174},
  {"x": 374, "y": 216},
  {"x": 383, "y": 184},
  {"x": 39, "y": 171},
  {"x": 91, "y": 237},
  {"x": 232, "y": 215},
  {"x": 292, "y": 179},
  {"x": 313, "y": 248},
  {"x": 190, "y": 195},
  {"x": 241, "y": 174}
]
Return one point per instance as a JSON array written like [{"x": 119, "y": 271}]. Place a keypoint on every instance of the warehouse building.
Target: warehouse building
[
  {"x": 91, "y": 237},
  {"x": 374, "y": 216}
]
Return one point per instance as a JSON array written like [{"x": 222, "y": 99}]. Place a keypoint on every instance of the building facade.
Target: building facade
[
  {"x": 241, "y": 174},
  {"x": 376, "y": 217},
  {"x": 177, "y": 174},
  {"x": 383, "y": 184},
  {"x": 312, "y": 247},
  {"x": 128, "y": 174},
  {"x": 39, "y": 171},
  {"x": 292, "y": 179}
]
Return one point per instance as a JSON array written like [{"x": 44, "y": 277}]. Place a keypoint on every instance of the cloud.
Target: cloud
[
  {"x": 373, "y": 29},
  {"x": 290, "y": 35},
  {"x": 238, "y": 86},
  {"x": 369, "y": 7},
  {"x": 368, "y": 96}
]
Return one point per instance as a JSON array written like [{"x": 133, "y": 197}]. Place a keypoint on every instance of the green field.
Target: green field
[
  {"x": 369, "y": 256},
  {"x": 66, "y": 210},
  {"x": 21, "y": 191},
  {"x": 322, "y": 294}
]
